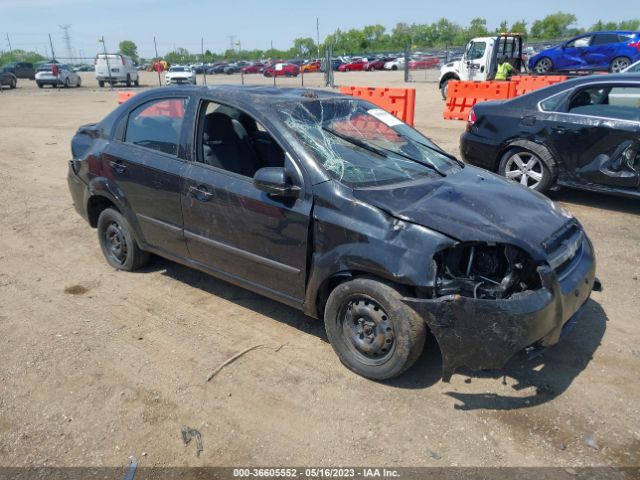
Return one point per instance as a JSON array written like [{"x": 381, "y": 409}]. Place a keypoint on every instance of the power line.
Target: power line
[{"x": 67, "y": 39}]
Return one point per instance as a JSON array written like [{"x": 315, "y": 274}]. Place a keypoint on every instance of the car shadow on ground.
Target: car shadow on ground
[
  {"x": 548, "y": 375},
  {"x": 244, "y": 298},
  {"x": 596, "y": 200}
]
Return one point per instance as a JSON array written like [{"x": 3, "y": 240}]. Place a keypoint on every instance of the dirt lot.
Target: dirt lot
[{"x": 96, "y": 364}]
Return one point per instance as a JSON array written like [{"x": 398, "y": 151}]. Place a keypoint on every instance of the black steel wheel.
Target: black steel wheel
[
  {"x": 371, "y": 330},
  {"x": 117, "y": 242}
]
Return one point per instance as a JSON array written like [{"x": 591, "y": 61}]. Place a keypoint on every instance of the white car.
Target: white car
[
  {"x": 115, "y": 68},
  {"x": 65, "y": 76},
  {"x": 396, "y": 64},
  {"x": 180, "y": 75}
]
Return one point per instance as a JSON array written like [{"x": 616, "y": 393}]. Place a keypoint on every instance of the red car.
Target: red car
[
  {"x": 424, "y": 63},
  {"x": 255, "y": 68},
  {"x": 282, "y": 70},
  {"x": 378, "y": 63},
  {"x": 354, "y": 65}
]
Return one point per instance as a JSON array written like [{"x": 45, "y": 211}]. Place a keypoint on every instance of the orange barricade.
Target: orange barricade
[
  {"x": 400, "y": 102},
  {"x": 528, "y": 83},
  {"x": 124, "y": 96},
  {"x": 461, "y": 96}
]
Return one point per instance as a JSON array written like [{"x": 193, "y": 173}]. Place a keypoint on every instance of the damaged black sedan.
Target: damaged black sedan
[
  {"x": 583, "y": 133},
  {"x": 337, "y": 208}
]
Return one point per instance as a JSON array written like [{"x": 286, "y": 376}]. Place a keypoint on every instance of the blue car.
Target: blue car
[{"x": 610, "y": 51}]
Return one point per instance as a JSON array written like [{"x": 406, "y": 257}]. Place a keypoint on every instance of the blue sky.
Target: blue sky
[{"x": 182, "y": 23}]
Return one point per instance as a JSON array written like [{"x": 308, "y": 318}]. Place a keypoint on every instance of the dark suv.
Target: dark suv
[
  {"x": 20, "y": 70},
  {"x": 333, "y": 206}
]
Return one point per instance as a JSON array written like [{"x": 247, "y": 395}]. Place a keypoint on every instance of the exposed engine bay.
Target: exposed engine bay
[{"x": 484, "y": 271}]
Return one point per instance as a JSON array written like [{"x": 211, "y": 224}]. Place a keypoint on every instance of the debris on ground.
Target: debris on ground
[
  {"x": 433, "y": 454},
  {"x": 231, "y": 360},
  {"x": 590, "y": 441},
  {"x": 189, "y": 434}
]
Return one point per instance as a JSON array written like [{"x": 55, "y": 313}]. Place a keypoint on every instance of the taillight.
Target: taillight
[
  {"x": 471, "y": 119},
  {"x": 635, "y": 44}
]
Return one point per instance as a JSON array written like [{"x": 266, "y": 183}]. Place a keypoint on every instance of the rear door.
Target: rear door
[
  {"x": 597, "y": 135},
  {"x": 145, "y": 162},
  {"x": 602, "y": 50}
]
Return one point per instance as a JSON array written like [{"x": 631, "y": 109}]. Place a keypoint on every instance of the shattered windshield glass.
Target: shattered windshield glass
[{"x": 364, "y": 146}]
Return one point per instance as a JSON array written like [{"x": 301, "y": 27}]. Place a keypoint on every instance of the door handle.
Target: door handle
[
  {"x": 118, "y": 167},
  {"x": 200, "y": 193}
]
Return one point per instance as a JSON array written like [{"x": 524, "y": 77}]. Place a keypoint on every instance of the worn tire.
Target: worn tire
[
  {"x": 408, "y": 329},
  {"x": 546, "y": 160},
  {"x": 134, "y": 257}
]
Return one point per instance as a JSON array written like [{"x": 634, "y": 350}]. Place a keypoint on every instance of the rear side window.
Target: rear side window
[
  {"x": 605, "y": 39},
  {"x": 616, "y": 102},
  {"x": 157, "y": 125}
]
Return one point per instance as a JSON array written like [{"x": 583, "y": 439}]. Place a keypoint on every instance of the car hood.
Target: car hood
[
  {"x": 179, "y": 74},
  {"x": 474, "y": 205}
]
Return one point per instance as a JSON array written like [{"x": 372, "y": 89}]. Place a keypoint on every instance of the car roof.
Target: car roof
[
  {"x": 543, "y": 93},
  {"x": 249, "y": 97}
]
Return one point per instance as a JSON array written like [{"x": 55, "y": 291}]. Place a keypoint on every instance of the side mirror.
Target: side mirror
[{"x": 275, "y": 181}]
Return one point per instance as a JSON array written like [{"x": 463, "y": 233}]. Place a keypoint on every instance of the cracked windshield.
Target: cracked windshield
[{"x": 363, "y": 146}]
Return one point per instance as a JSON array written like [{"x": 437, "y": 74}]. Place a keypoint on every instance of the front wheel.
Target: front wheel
[
  {"x": 117, "y": 242},
  {"x": 101, "y": 83},
  {"x": 371, "y": 330},
  {"x": 444, "y": 89},
  {"x": 13, "y": 84},
  {"x": 128, "y": 81},
  {"x": 79, "y": 84},
  {"x": 526, "y": 168},
  {"x": 618, "y": 64},
  {"x": 543, "y": 65},
  {"x": 40, "y": 85}
]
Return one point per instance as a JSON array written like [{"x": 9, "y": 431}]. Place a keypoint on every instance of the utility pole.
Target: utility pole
[
  {"x": 9, "y": 42},
  {"x": 318, "y": 35},
  {"x": 155, "y": 45},
  {"x": 53, "y": 54},
  {"x": 232, "y": 39},
  {"x": 67, "y": 40},
  {"x": 106, "y": 57}
]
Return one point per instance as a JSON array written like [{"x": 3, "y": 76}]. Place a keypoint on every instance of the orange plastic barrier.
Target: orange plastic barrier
[
  {"x": 528, "y": 83},
  {"x": 461, "y": 96},
  {"x": 400, "y": 102},
  {"x": 124, "y": 96}
]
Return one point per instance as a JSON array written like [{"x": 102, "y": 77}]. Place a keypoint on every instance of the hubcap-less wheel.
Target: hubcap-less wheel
[
  {"x": 116, "y": 243},
  {"x": 526, "y": 168},
  {"x": 543, "y": 66},
  {"x": 367, "y": 330},
  {"x": 619, "y": 64}
]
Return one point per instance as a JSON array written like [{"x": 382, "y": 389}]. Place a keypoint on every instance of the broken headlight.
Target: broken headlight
[{"x": 485, "y": 271}]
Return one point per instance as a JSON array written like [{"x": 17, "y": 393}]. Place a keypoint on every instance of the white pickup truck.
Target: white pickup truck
[{"x": 481, "y": 57}]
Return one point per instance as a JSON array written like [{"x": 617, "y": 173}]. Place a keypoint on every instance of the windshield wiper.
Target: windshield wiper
[{"x": 381, "y": 150}]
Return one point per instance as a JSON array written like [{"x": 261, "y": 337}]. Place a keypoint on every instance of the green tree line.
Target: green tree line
[{"x": 376, "y": 38}]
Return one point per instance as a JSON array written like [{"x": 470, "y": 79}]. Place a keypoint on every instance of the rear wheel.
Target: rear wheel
[
  {"x": 543, "y": 65},
  {"x": 137, "y": 82},
  {"x": 67, "y": 84},
  {"x": 117, "y": 242},
  {"x": 79, "y": 84},
  {"x": 618, "y": 64},
  {"x": 128, "y": 81},
  {"x": 13, "y": 83},
  {"x": 526, "y": 168},
  {"x": 101, "y": 83},
  {"x": 371, "y": 330},
  {"x": 394, "y": 67}
]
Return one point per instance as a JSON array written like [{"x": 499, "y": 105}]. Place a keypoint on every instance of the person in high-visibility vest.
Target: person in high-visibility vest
[{"x": 504, "y": 69}]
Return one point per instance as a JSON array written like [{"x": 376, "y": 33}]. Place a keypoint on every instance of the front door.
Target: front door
[
  {"x": 474, "y": 63},
  {"x": 145, "y": 165},
  {"x": 232, "y": 227}
]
